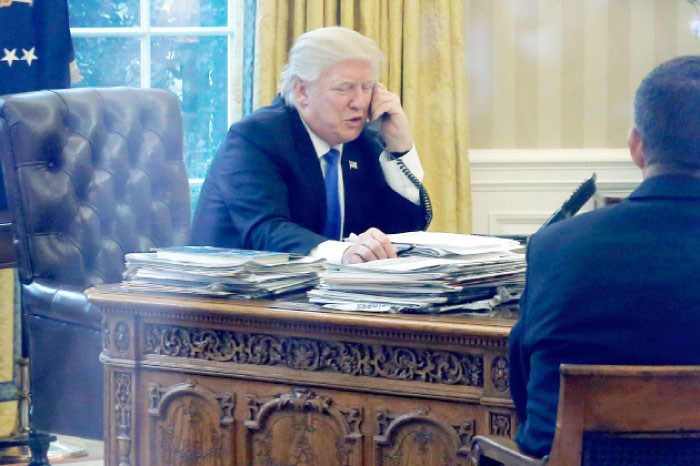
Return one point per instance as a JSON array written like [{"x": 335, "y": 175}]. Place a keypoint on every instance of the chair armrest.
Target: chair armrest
[
  {"x": 64, "y": 303},
  {"x": 7, "y": 248},
  {"x": 494, "y": 450}
]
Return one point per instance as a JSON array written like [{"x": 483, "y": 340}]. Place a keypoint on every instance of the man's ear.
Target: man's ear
[
  {"x": 634, "y": 141},
  {"x": 300, "y": 92}
]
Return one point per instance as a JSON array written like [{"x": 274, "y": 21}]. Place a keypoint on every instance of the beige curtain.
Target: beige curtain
[
  {"x": 423, "y": 40},
  {"x": 8, "y": 409}
]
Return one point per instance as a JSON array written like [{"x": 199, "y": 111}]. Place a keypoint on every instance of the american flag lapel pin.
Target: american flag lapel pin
[{"x": 353, "y": 164}]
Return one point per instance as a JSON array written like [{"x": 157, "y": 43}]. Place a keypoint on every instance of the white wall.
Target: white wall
[
  {"x": 550, "y": 91},
  {"x": 515, "y": 191}
]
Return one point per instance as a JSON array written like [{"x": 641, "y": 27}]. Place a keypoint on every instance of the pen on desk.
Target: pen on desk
[{"x": 402, "y": 249}]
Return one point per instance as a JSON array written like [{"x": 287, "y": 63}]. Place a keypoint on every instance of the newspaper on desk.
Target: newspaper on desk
[{"x": 442, "y": 272}]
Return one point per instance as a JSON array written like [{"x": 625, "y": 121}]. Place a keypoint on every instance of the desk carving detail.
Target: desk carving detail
[
  {"x": 500, "y": 373},
  {"x": 356, "y": 359},
  {"x": 122, "y": 412},
  {"x": 190, "y": 425},
  {"x": 121, "y": 337},
  {"x": 105, "y": 336},
  {"x": 500, "y": 424},
  {"x": 302, "y": 428},
  {"x": 422, "y": 437}
]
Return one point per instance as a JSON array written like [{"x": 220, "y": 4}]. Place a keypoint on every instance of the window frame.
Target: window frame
[{"x": 240, "y": 34}]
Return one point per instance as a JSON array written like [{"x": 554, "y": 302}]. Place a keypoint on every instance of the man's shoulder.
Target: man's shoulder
[
  {"x": 657, "y": 198},
  {"x": 575, "y": 229},
  {"x": 274, "y": 114},
  {"x": 271, "y": 129}
]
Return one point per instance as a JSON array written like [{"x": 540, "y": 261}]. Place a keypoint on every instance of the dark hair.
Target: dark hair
[{"x": 667, "y": 113}]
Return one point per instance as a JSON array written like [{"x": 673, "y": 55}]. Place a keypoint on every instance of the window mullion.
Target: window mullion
[
  {"x": 106, "y": 32},
  {"x": 190, "y": 31},
  {"x": 146, "y": 43},
  {"x": 235, "y": 10}
]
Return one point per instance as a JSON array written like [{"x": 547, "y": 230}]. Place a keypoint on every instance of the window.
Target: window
[{"x": 194, "y": 48}]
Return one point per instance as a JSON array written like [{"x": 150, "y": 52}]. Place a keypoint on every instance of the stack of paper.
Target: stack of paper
[
  {"x": 222, "y": 272},
  {"x": 463, "y": 272}
]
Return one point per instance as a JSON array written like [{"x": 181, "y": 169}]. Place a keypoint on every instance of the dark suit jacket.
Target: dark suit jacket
[
  {"x": 619, "y": 285},
  {"x": 265, "y": 189}
]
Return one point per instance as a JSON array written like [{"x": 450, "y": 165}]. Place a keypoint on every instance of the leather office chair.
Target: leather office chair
[
  {"x": 615, "y": 415},
  {"x": 90, "y": 175}
]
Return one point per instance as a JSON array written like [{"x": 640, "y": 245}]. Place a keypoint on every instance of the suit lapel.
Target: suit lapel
[
  {"x": 308, "y": 165},
  {"x": 353, "y": 168}
]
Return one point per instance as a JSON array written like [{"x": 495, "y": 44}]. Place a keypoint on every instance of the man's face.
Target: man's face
[{"x": 335, "y": 106}]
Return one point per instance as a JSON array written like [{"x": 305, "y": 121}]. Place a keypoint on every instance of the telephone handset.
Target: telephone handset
[{"x": 374, "y": 127}]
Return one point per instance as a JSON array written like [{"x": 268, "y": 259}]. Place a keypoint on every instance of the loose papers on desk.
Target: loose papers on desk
[
  {"x": 470, "y": 273},
  {"x": 451, "y": 244},
  {"x": 235, "y": 273}
]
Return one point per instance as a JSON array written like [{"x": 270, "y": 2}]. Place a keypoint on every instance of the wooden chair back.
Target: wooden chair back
[
  {"x": 647, "y": 411},
  {"x": 615, "y": 415}
]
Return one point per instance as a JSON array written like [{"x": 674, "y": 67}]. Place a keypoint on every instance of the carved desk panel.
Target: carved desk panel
[{"x": 206, "y": 382}]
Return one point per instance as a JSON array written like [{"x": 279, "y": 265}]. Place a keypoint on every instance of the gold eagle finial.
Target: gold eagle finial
[{"x": 4, "y": 3}]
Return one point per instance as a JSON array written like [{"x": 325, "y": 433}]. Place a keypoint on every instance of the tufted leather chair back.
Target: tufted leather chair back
[{"x": 90, "y": 175}]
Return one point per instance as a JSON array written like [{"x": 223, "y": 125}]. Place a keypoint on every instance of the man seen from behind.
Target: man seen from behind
[{"x": 619, "y": 285}]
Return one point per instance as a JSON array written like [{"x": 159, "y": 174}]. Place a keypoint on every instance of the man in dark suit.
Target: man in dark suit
[
  {"x": 271, "y": 185},
  {"x": 619, "y": 285}
]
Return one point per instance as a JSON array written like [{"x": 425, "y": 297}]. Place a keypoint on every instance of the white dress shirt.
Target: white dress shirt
[{"x": 332, "y": 250}]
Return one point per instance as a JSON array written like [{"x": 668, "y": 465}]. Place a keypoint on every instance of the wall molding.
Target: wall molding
[
  {"x": 516, "y": 223},
  {"x": 514, "y": 191},
  {"x": 606, "y": 187},
  {"x": 567, "y": 157}
]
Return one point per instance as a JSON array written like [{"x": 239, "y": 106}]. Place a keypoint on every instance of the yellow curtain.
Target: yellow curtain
[
  {"x": 8, "y": 409},
  {"x": 423, "y": 40}
]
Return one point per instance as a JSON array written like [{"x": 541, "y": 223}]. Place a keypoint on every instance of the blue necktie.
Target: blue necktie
[{"x": 332, "y": 230}]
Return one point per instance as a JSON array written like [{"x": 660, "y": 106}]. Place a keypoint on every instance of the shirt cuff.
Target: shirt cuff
[
  {"x": 331, "y": 250},
  {"x": 396, "y": 178}
]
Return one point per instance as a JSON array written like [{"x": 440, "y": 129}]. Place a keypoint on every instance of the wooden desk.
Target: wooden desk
[{"x": 209, "y": 382}]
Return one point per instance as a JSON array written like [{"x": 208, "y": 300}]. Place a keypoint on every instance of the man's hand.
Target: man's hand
[
  {"x": 370, "y": 245},
  {"x": 395, "y": 129}
]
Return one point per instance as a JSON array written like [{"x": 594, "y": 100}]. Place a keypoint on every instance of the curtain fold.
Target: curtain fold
[{"x": 423, "y": 40}]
